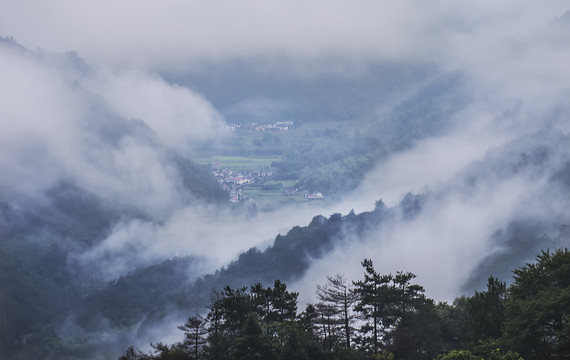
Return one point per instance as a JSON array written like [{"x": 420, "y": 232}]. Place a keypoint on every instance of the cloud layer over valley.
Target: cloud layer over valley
[{"x": 105, "y": 103}]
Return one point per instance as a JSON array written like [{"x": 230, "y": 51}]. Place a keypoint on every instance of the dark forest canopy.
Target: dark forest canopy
[
  {"x": 385, "y": 316},
  {"x": 144, "y": 297}
]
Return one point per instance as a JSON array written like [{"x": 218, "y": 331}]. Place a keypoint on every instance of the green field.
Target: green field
[
  {"x": 313, "y": 155},
  {"x": 272, "y": 196},
  {"x": 239, "y": 163},
  {"x": 263, "y": 196}
]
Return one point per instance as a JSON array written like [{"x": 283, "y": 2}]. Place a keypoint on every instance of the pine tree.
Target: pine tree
[
  {"x": 373, "y": 305},
  {"x": 538, "y": 308},
  {"x": 252, "y": 344},
  {"x": 340, "y": 295},
  {"x": 195, "y": 334}
]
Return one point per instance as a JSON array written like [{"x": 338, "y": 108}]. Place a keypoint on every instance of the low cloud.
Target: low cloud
[
  {"x": 81, "y": 130},
  {"x": 176, "y": 114},
  {"x": 179, "y": 34},
  {"x": 493, "y": 166},
  {"x": 162, "y": 34},
  {"x": 110, "y": 128},
  {"x": 453, "y": 234},
  {"x": 213, "y": 234}
]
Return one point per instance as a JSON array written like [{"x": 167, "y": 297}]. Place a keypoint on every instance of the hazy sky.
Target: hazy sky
[{"x": 177, "y": 32}]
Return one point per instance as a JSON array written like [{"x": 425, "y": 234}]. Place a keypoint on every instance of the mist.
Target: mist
[
  {"x": 471, "y": 173},
  {"x": 105, "y": 96},
  {"x": 458, "y": 221}
]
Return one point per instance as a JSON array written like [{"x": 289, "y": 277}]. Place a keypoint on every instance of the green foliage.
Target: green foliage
[
  {"x": 399, "y": 321},
  {"x": 339, "y": 296},
  {"x": 325, "y": 157},
  {"x": 494, "y": 354},
  {"x": 458, "y": 355},
  {"x": 418, "y": 334},
  {"x": 384, "y": 355},
  {"x": 31, "y": 296},
  {"x": 428, "y": 111},
  {"x": 397, "y": 315},
  {"x": 239, "y": 163},
  {"x": 538, "y": 307},
  {"x": 237, "y": 316},
  {"x": 288, "y": 170},
  {"x": 492, "y": 349},
  {"x": 272, "y": 186},
  {"x": 252, "y": 344},
  {"x": 162, "y": 351},
  {"x": 195, "y": 334},
  {"x": 530, "y": 318},
  {"x": 126, "y": 300},
  {"x": 335, "y": 177},
  {"x": 374, "y": 306},
  {"x": 485, "y": 313},
  {"x": 133, "y": 354},
  {"x": 292, "y": 348},
  {"x": 199, "y": 181}
]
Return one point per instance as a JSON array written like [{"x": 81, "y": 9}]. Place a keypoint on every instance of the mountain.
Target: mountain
[{"x": 108, "y": 229}]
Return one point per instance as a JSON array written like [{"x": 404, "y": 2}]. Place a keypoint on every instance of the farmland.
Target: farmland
[
  {"x": 282, "y": 166},
  {"x": 239, "y": 163}
]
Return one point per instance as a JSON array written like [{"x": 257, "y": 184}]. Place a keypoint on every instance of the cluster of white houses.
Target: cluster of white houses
[{"x": 235, "y": 181}]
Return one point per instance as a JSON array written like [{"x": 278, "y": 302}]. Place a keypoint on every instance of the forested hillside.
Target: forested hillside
[
  {"x": 384, "y": 316},
  {"x": 278, "y": 174},
  {"x": 42, "y": 279},
  {"x": 148, "y": 293}
]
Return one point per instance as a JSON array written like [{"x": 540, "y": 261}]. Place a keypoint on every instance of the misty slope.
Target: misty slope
[
  {"x": 541, "y": 159},
  {"x": 49, "y": 214},
  {"x": 292, "y": 256},
  {"x": 142, "y": 299},
  {"x": 40, "y": 275},
  {"x": 428, "y": 111},
  {"x": 99, "y": 169}
]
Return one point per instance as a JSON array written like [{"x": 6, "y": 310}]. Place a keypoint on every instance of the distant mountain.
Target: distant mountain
[{"x": 253, "y": 91}]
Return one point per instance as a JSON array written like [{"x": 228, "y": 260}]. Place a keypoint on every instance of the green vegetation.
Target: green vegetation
[
  {"x": 337, "y": 176},
  {"x": 238, "y": 163},
  {"x": 199, "y": 181},
  {"x": 272, "y": 191},
  {"x": 325, "y": 157},
  {"x": 43, "y": 293},
  {"x": 331, "y": 156},
  {"x": 371, "y": 321},
  {"x": 40, "y": 285},
  {"x": 529, "y": 319}
]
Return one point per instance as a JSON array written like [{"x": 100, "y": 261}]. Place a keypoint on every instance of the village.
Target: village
[{"x": 235, "y": 182}]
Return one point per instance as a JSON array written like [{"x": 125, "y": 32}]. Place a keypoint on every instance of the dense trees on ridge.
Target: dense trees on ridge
[{"x": 385, "y": 316}]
